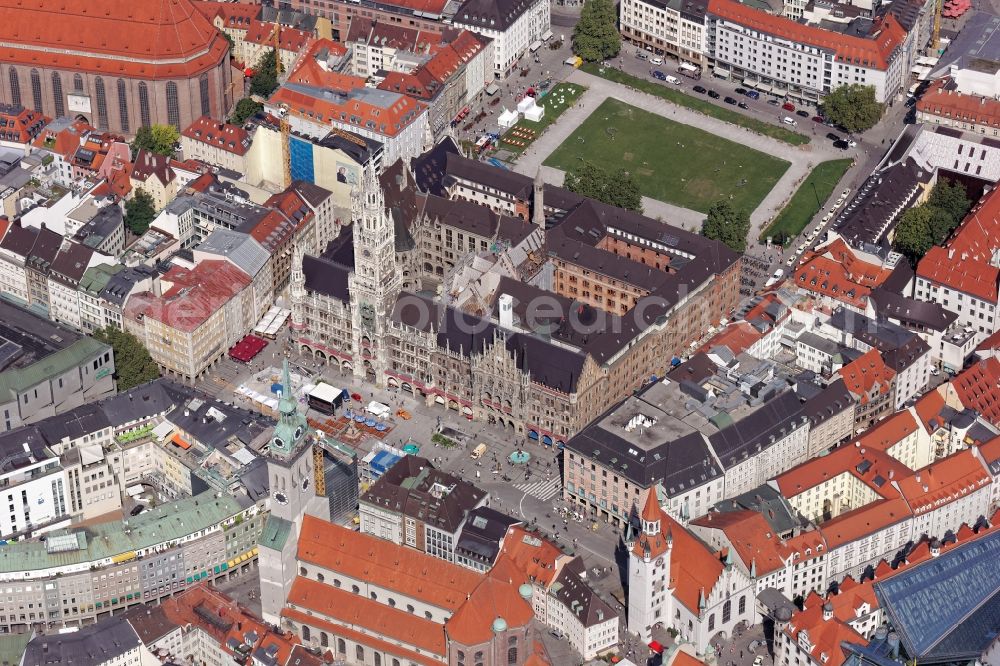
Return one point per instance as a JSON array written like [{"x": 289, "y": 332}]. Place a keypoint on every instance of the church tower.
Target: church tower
[
  {"x": 538, "y": 201},
  {"x": 291, "y": 482},
  {"x": 649, "y": 598},
  {"x": 297, "y": 288},
  {"x": 376, "y": 281}
]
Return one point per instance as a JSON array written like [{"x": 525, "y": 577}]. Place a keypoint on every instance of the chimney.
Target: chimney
[{"x": 157, "y": 288}]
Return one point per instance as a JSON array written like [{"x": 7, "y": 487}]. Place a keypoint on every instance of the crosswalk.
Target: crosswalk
[{"x": 543, "y": 490}]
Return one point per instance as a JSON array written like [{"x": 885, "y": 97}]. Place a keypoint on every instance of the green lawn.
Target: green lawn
[
  {"x": 702, "y": 105},
  {"x": 670, "y": 161},
  {"x": 807, "y": 200},
  {"x": 561, "y": 97}
]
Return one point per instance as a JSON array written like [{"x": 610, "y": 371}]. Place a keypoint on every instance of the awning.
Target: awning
[
  {"x": 749, "y": 83},
  {"x": 492, "y": 89},
  {"x": 547, "y": 35},
  {"x": 535, "y": 46},
  {"x": 763, "y": 87},
  {"x": 176, "y": 439},
  {"x": 722, "y": 71},
  {"x": 124, "y": 557},
  {"x": 656, "y": 647}
]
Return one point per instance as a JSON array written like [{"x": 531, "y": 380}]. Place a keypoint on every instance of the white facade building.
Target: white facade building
[{"x": 513, "y": 25}]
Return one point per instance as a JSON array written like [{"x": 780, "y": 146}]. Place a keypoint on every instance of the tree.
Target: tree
[
  {"x": 245, "y": 108},
  {"x": 232, "y": 44},
  {"x": 265, "y": 75},
  {"x": 596, "y": 35},
  {"x": 952, "y": 200},
  {"x": 133, "y": 364},
  {"x": 139, "y": 212},
  {"x": 913, "y": 235},
  {"x": 727, "y": 225},
  {"x": 853, "y": 107},
  {"x": 617, "y": 189},
  {"x": 159, "y": 139}
]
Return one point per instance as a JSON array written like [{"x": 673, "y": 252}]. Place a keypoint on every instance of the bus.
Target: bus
[{"x": 478, "y": 452}]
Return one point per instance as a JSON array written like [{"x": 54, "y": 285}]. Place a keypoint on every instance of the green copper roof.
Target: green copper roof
[
  {"x": 275, "y": 533},
  {"x": 167, "y": 522}
]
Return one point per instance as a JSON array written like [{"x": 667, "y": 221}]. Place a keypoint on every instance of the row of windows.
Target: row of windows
[{"x": 100, "y": 97}]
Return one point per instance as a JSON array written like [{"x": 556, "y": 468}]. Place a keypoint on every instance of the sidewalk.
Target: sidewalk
[{"x": 802, "y": 158}]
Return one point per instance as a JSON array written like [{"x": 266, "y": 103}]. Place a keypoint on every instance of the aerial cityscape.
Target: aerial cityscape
[{"x": 500, "y": 332}]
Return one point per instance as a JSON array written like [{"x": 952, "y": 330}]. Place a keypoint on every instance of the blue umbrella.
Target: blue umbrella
[
  {"x": 370, "y": 422},
  {"x": 349, "y": 414},
  {"x": 381, "y": 427},
  {"x": 359, "y": 418}
]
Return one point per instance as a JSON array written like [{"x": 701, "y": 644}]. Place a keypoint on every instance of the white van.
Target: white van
[
  {"x": 657, "y": 60},
  {"x": 673, "y": 79},
  {"x": 788, "y": 120}
]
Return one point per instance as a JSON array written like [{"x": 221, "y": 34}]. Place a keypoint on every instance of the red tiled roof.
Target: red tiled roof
[
  {"x": 20, "y": 125},
  {"x": 944, "y": 481},
  {"x": 929, "y": 408},
  {"x": 233, "y": 14},
  {"x": 874, "y": 52},
  {"x": 310, "y": 72},
  {"x": 991, "y": 342},
  {"x": 737, "y": 337},
  {"x": 289, "y": 39},
  {"x": 151, "y": 39},
  {"x": 385, "y": 564},
  {"x": 753, "y": 540},
  {"x": 149, "y": 164},
  {"x": 864, "y": 520},
  {"x": 193, "y": 295},
  {"x": 694, "y": 569},
  {"x": 954, "y": 105},
  {"x": 888, "y": 432},
  {"x": 865, "y": 373},
  {"x": 978, "y": 236},
  {"x": 495, "y": 596},
  {"x": 352, "y": 610},
  {"x": 231, "y": 138},
  {"x": 846, "y": 459},
  {"x": 532, "y": 554},
  {"x": 978, "y": 388},
  {"x": 945, "y": 267},
  {"x": 387, "y": 121},
  {"x": 825, "y": 636},
  {"x": 835, "y": 270}
]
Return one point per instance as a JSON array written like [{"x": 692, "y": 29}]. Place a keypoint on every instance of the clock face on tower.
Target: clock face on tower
[{"x": 659, "y": 562}]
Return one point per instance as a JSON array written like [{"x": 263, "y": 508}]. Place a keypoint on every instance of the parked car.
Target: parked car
[
  {"x": 713, "y": 94},
  {"x": 741, "y": 91},
  {"x": 758, "y": 660},
  {"x": 641, "y": 55},
  {"x": 818, "y": 119},
  {"x": 730, "y": 100},
  {"x": 657, "y": 60},
  {"x": 840, "y": 143},
  {"x": 743, "y": 105},
  {"x": 788, "y": 120},
  {"x": 753, "y": 94},
  {"x": 802, "y": 113},
  {"x": 832, "y": 137},
  {"x": 773, "y": 101},
  {"x": 700, "y": 90},
  {"x": 788, "y": 106},
  {"x": 657, "y": 74},
  {"x": 852, "y": 143}
]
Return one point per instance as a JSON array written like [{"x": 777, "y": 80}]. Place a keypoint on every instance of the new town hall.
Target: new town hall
[{"x": 501, "y": 298}]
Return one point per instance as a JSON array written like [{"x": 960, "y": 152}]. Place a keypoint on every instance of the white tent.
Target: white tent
[
  {"x": 508, "y": 119},
  {"x": 525, "y": 104},
  {"x": 535, "y": 113}
]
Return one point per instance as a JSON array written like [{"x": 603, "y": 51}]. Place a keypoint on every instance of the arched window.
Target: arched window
[
  {"x": 57, "y": 94},
  {"x": 743, "y": 604},
  {"x": 305, "y": 633},
  {"x": 324, "y": 640},
  {"x": 102, "y": 103},
  {"x": 123, "y": 105},
  {"x": 512, "y": 656},
  {"x": 355, "y": 589},
  {"x": 15, "y": 87},
  {"x": 727, "y": 611},
  {"x": 203, "y": 92},
  {"x": 378, "y": 659},
  {"x": 77, "y": 83},
  {"x": 711, "y": 622},
  {"x": 303, "y": 571},
  {"x": 144, "y": 104},
  {"x": 359, "y": 653},
  {"x": 341, "y": 646},
  {"x": 320, "y": 577},
  {"x": 36, "y": 90},
  {"x": 173, "y": 107}
]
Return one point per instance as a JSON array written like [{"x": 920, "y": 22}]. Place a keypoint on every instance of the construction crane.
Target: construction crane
[
  {"x": 286, "y": 154},
  {"x": 936, "y": 41},
  {"x": 279, "y": 68},
  {"x": 319, "y": 477},
  {"x": 349, "y": 137}
]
